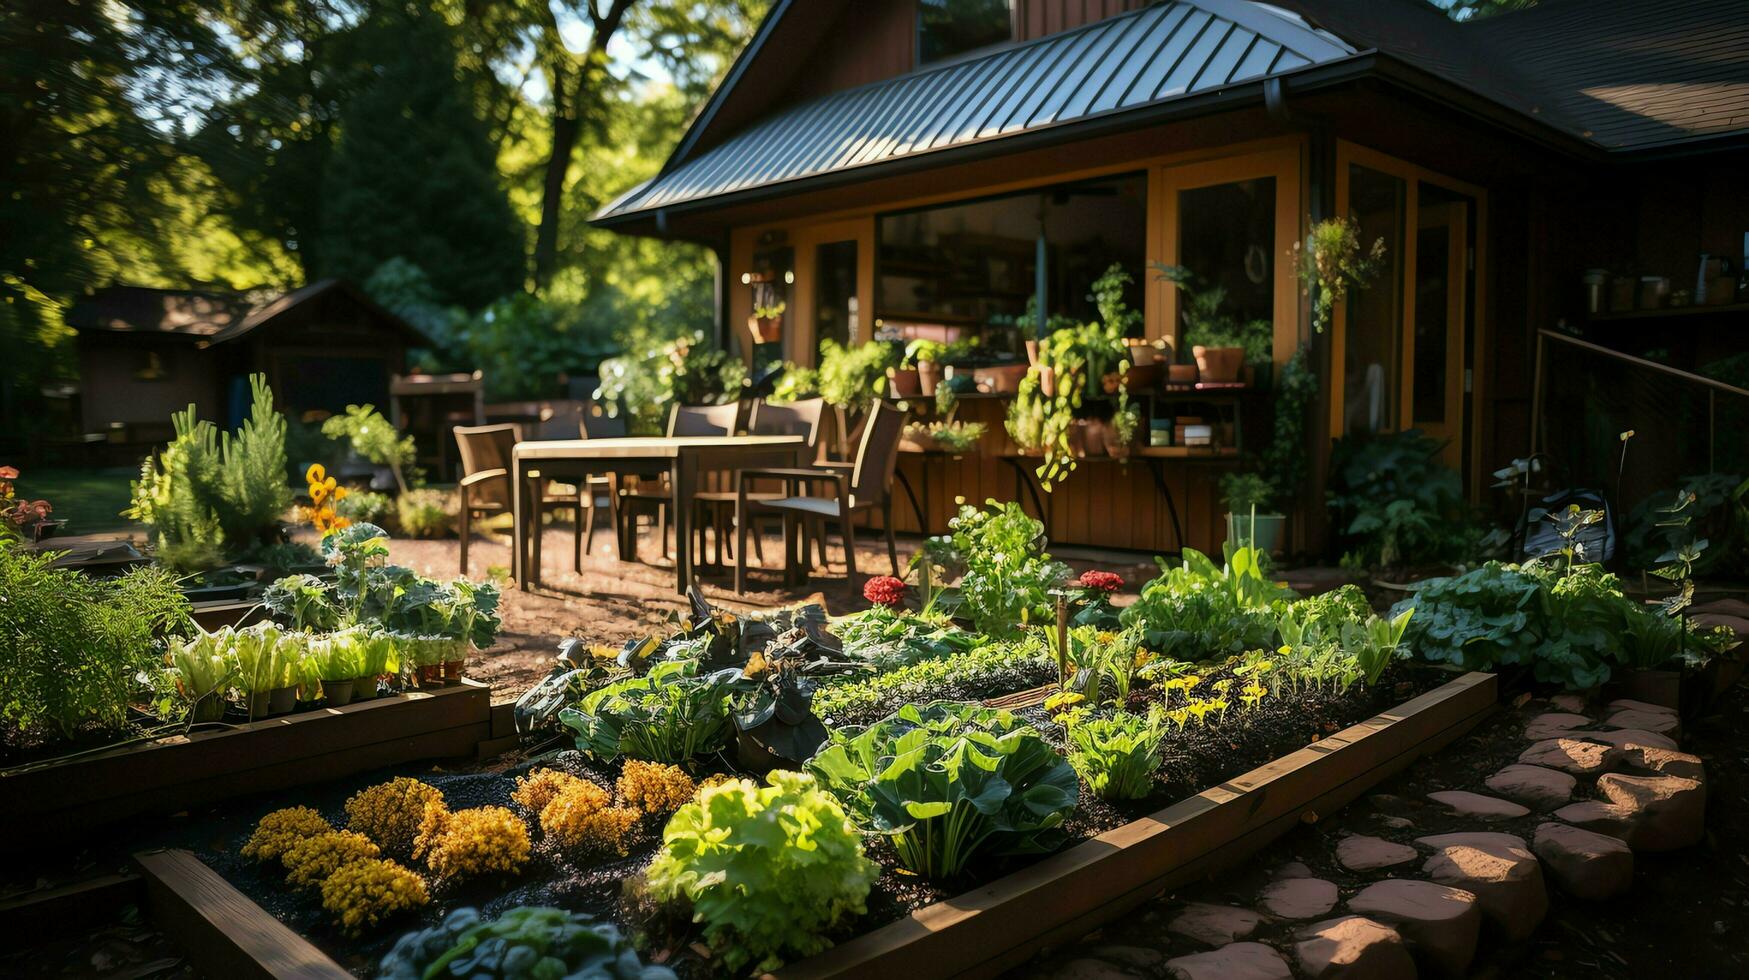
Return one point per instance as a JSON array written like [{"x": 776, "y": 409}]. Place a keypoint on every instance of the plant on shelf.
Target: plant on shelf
[
  {"x": 766, "y": 324},
  {"x": 375, "y": 440},
  {"x": 207, "y": 494},
  {"x": 795, "y": 384},
  {"x": 526, "y": 941},
  {"x": 769, "y": 870},
  {"x": 957, "y": 438},
  {"x": 852, "y": 377},
  {"x": 1330, "y": 262},
  {"x": 948, "y": 783},
  {"x": 1209, "y": 326}
]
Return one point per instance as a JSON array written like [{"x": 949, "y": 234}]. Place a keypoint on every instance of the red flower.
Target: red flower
[
  {"x": 8, "y": 472},
  {"x": 1101, "y": 581},
  {"x": 884, "y": 590}
]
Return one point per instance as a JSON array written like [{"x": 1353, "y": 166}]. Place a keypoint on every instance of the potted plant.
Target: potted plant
[
  {"x": 766, "y": 323},
  {"x": 1220, "y": 342},
  {"x": 1250, "y": 522},
  {"x": 927, "y": 356},
  {"x": 1330, "y": 263},
  {"x": 259, "y": 658},
  {"x": 337, "y": 661},
  {"x": 381, "y": 657},
  {"x": 200, "y": 672}
]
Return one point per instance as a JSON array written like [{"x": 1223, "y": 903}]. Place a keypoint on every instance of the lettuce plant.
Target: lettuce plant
[
  {"x": 768, "y": 870},
  {"x": 1198, "y": 610},
  {"x": 1118, "y": 754},
  {"x": 668, "y": 715},
  {"x": 951, "y": 782}
]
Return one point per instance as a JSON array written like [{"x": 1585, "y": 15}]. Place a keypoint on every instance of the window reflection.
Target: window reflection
[{"x": 1372, "y": 349}]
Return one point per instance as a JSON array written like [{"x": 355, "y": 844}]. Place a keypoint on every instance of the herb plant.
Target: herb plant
[
  {"x": 994, "y": 667},
  {"x": 948, "y": 783},
  {"x": 852, "y": 377},
  {"x": 769, "y": 871}
]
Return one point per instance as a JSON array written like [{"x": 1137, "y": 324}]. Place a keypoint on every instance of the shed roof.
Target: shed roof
[
  {"x": 215, "y": 317},
  {"x": 1616, "y": 75},
  {"x": 1145, "y": 57}
]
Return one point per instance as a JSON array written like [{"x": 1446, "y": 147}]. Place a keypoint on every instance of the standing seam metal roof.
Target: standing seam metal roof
[{"x": 1163, "y": 52}]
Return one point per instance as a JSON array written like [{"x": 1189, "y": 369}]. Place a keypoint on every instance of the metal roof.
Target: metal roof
[{"x": 1157, "y": 54}]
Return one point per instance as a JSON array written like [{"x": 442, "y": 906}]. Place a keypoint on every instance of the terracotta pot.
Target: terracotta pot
[
  {"x": 364, "y": 688},
  {"x": 903, "y": 383},
  {"x": 337, "y": 693},
  {"x": 1047, "y": 382},
  {"x": 281, "y": 700},
  {"x": 765, "y": 329},
  {"x": 1114, "y": 447},
  {"x": 1003, "y": 380},
  {"x": 1032, "y": 352},
  {"x": 452, "y": 672},
  {"x": 1181, "y": 374},
  {"x": 430, "y": 675},
  {"x": 1093, "y": 435},
  {"x": 1143, "y": 355},
  {"x": 928, "y": 376},
  {"x": 1219, "y": 364}
]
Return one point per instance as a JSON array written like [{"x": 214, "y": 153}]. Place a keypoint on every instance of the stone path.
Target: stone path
[{"x": 1562, "y": 823}]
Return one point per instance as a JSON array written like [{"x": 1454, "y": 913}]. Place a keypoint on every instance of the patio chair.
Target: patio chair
[
  {"x": 862, "y": 485},
  {"x": 805, "y": 418},
  {"x": 485, "y": 485},
  {"x": 683, "y": 420},
  {"x": 586, "y": 420}
]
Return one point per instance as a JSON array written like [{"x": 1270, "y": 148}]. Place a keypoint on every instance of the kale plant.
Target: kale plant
[{"x": 529, "y": 941}]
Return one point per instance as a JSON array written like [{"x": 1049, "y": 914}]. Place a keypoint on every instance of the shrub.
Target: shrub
[
  {"x": 362, "y": 894},
  {"x": 75, "y": 644},
  {"x": 1118, "y": 754},
  {"x": 427, "y": 513},
  {"x": 534, "y": 791},
  {"x": 950, "y": 782},
  {"x": 655, "y": 787},
  {"x": 366, "y": 507},
  {"x": 580, "y": 818},
  {"x": 668, "y": 715},
  {"x": 854, "y": 376},
  {"x": 769, "y": 870},
  {"x": 391, "y": 813},
  {"x": 279, "y": 830},
  {"x": 1398, "y": 503},
  {"x": 309, "y": 862},
  {"x": 529, "y": 941},
  {"x": 466, "y": 843}
]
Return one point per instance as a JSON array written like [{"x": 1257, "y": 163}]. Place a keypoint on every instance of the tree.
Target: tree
[{"x": 413, "y": 173}]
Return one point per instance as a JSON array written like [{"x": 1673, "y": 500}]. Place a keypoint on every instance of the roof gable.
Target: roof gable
[{"x": 214, "y": 317}]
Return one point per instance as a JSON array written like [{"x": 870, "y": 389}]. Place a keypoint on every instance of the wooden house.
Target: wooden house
[
  {"x": 145, "y": 353},
  {"x": 929, "y": 167}
]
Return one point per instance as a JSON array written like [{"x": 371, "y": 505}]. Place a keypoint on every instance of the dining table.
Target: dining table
[{"x": 683, "y": 458}]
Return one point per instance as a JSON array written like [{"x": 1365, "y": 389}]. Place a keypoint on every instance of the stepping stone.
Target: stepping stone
[
  {"x": 1628, "y": 737},
  {"x": 1502, "y": 873},
  {"x": 1145, "y": 957},
  {"x": 1298, "y": 898},
  {"x": 1597, "y": 816},
  {"x": 1649, "y": 721},
  {"x": 1666, "y": 762},
  {"x": 1087, "y": 968},
  {"x": 1629, "y": 704},
  {"x": 1574, "y": 703},
  {"x": 1360, "y": 853},
  {"x": 1553, "y": 724},
  {"x": 1214, "y": 925},
  {"x": 1666, "y": 813},
  {"x": 1393, "y": 822},
  {"x": 1439, "y": 923},
  {"x": 1589, "y": 866},
  {"x": 1352, "y": 947},
  {"x": 1240, "y": 961},
  {"x": 1572, "y": 755},
  {"x": 1292, "y": 869},
  {"x": 1534, "y": 786},
  {"x": 1476, "y": 806}
]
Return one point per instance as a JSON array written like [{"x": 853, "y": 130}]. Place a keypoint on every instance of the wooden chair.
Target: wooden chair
[
  {"x": 805, "y": 418},
  {"x": 683, "y": 420},
  {"x": 485, "y": 452},
  {"x": 864, "y": 484}
]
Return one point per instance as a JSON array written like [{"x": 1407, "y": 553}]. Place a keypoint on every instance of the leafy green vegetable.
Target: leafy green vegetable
[
  {"x": 949, "y": 782},
  {"x": 1196, "y": 610},
  {"x": 1477, "y": 620},
  {"x": 769, "y": 870},
  {"x": 1118, "y": 754},
  {"x": 1006, "y": 577},
  {"x": 988, "y": 669},
  {"x": 668, "y": 715},
  {"x": 529, "y": 941},
  {"x": 885, "y": 639}
]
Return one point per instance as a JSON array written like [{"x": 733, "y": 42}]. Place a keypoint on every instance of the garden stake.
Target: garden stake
[{"x": 1062, "y": 640}]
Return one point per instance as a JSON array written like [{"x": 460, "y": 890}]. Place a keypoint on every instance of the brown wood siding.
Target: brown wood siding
[{"x": 1037, "y": 18}]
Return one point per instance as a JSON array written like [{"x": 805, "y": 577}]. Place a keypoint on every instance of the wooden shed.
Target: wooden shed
[
  {"x": 921, "y": 164},
  {"x": 145, "y": 353}
]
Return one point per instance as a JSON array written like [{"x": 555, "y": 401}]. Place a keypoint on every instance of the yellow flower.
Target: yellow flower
[{"x": 315, "y": 474}]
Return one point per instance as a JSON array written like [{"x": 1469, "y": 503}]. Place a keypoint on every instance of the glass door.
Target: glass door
[
  {"x": 1441, "y": 293},
  {"x": 835, "y": 302}
]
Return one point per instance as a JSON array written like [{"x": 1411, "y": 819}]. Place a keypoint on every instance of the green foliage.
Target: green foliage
[
  {"x": 1330, "y": 263},
  {"x": 426, "y": 513},
  {"x": 769, "y": 870},
  {"x": 1246, "y": 492},
  {"x": 374, "y": 439},
  {"x": 1718, "y": 513},
  {"x": 1477, "y": 620},
  {"x": 853, "y": 377},
  {"x": 206, "y": 494},
  {"x": 949, "y": 783},
  {"x": 668, "y": 715},
  {"x": 647, "y": 382},
  {"x": 1117, "y": 754},
  {"x": 1286, "y": 462},
  {"x": 1206, "y": 324},
  {"x": 1006, "y": 577},
  {"x": 74, "y": 643},
  {"x": 885, "y": 639},
  {"x": 366, "y": 507},
  {"x": 988, "y": 669},
  {"x": 796, "y": 384},
  {"x": 1398, "y": 503},
  {"x": 528, "y": 941},
  {"x": 1198, "y": 610}
]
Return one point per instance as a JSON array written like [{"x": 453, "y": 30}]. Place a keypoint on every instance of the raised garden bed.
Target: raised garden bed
[
  {"x": 1058, "y": 897},
  {"x": 64, "y": 798}
]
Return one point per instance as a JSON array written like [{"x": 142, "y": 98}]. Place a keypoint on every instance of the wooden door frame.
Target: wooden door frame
[{"x": 1348, "y": 154}]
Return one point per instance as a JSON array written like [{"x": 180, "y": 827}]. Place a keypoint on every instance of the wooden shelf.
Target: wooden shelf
[
  {"x": 1671, "y": 312},
  {"x": 1187, "y": 452}
]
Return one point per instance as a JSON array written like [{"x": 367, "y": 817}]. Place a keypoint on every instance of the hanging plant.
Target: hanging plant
[{"x": 1331, "y": 260}]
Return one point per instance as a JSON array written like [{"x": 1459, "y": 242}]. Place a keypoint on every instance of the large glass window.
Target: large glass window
[
  {"x": 1372, "y": 352},
  {"x": 975, "y": 265},
  {"x": 946, "y": 28},
  {"x": 1227, "y": 251}
]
